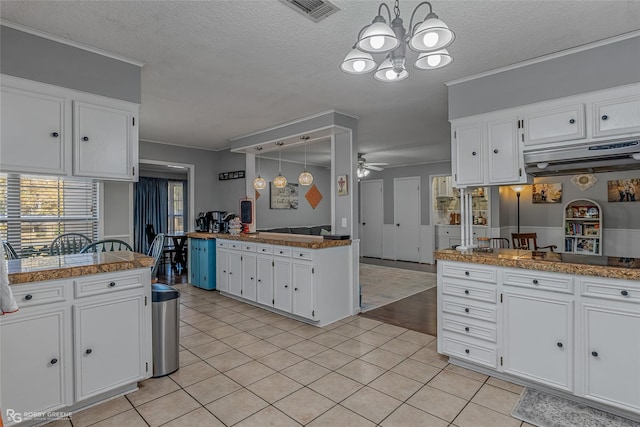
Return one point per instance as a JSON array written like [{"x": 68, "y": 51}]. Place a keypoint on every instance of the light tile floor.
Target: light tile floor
[{"x": 245, "y": 366}]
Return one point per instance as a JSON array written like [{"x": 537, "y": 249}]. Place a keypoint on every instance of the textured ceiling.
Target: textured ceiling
[{"x": 222, "y": 69}]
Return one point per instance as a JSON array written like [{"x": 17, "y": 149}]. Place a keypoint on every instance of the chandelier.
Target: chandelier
[
  {"x": 280, "y": 181},
  {"x": 429, "y": 37},
  {"x": 305, "y": 178},
  {"x": 259, "y": 183}
]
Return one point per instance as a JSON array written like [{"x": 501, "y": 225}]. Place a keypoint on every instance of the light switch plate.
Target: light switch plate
[{"x": 344, "y": 223}]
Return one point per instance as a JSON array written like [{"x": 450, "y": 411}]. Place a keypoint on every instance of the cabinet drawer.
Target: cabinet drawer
[
  {"x": 282, "y": 251},
  {"x": 469, "y": 328},
  {"x": 235, "y": 245},
  {"x": 222, "y": 244},
  {"x": 466, "y": 309},
  {"x": 469, "y": 290},
  {"x": 264, "y": 249},
  {"x": 476, "y": 273},
  {"x": 471, "y": 352},
  {"x": 249, "y": 247},
  {"x": 614, "y": 290},
  {"x": 522, "y": 278},
  {"x": 27, "y": 296},
  {"x": 105, "y": 283},
  {"x": 298, "y": 254}
]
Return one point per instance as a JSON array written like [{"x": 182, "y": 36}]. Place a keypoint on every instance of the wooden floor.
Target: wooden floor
[{"x": 417, "y": 312}]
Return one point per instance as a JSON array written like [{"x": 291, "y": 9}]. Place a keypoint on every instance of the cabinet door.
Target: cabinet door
[
  {"x": 222, "y": 272},
  {"x": 537, "y": 343},
  {"x": 35, "y": 360},
  {"x": 282, "y": 284},
  {"x": 547, "y": 127},
  {"x": 504, "y": 151},
  {"x": 234, "y": 268},
  {"x": 194, "y": 262},
  {"x": 616, "y": 116},
  {"x": 611, "y": 353},
  {"x": 207, "y": 261},
  {"x": 33, "y": 133},
  {"x": 249, "y": 276},
  {"x": 264, "y": 273},
  {"x": 469, "y": 155},
  {"x": 302, "y": 297},
  {"x": 102, "y": 142},
  {"x": 109, "y": 344}
]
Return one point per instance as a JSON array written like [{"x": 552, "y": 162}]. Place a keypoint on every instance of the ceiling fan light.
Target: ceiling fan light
[
  {"x": 377, "y": 37},
  {"x": 386, "y": 72},
  {"x": 433, "y": 60},
  {"x": 358, "y": 62},
  {"x": 280, "y": 181},
  {"x": 259, "y": 183},
  {"x": 431, "y": 34},
  {"x": 305, "y": 178}
]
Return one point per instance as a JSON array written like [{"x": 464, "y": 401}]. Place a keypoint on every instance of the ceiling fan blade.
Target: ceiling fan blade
[
  {"x": 378, "y": 164},
  {"x": 373, "y": 168}
]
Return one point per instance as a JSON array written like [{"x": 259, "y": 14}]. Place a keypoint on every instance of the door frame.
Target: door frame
[
  {"x": 361, "y": 204},
  {"x": 395, "y": 202}
]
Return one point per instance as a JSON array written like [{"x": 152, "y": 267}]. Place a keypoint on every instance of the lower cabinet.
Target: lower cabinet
[
  {"x": 234, "y": 272},
  {"x": 202, "y": 263},
  {"x": 282, "y": 284},
  {"x": 249, "y": 279},
  {"x": 302, "y": 298},
  {"x": 222, "y": 269},
  {"x": 264, "y": 282}
]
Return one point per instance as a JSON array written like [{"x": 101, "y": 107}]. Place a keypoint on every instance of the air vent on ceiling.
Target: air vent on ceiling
[{"x": 316, "y": 10}]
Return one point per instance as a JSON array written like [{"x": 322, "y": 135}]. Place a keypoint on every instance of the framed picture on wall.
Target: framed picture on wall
[
  {"x": 284, "y": 198},
  {"x": 342, "y": 184},
  {"x": 546, "y": 193},
  {"x": 623, "y": 190}
]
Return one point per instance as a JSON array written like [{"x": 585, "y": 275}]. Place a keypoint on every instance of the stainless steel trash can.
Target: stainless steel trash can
[{"x": 165, "y": 328}]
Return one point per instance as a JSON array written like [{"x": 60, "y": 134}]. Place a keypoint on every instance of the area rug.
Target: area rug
[
  {"x": 384, "y": 285},
  {"x": 545, "y": 410}
]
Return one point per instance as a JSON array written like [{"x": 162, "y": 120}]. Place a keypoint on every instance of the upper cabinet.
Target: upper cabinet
[
  {"x": 618, "y": 115},
  {"x": 57, "y": 131},
  {"x": 549, "y": 126}
]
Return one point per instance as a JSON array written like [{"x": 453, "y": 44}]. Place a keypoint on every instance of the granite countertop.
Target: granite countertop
[
  {"x": 284, "y": 239},
  {"x": 585, "y": 265},
  {"x": 37, "y": 269}
]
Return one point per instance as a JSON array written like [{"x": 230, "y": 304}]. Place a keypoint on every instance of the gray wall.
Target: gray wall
[
  {"x": 423, "y": 171},
  {"x": 601, "y": 67},
  {"x": 227, "y": 194},
  {"x": 305, "y": 215},
  {"x": 116, "y": 200},
  {"x": 35, "y": 58}
]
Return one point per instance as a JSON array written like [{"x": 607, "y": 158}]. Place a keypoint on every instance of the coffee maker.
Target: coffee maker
[
  {"x": 202, "y": 224},
  {"x": 217, "y": 224}
]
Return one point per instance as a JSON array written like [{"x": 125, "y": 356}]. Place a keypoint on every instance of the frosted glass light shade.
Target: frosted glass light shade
[
  {"x": 378, "y": 38},
  {"x": 259, "y": 183},
  {"x": 385, "y": 72},
  {"x": 433, "y": 60},
  {"x": 358, "y": 62},
  {"x": 305, "y": 178},
  {"x": 431, "y": 34},
  {"x": 280, "y": 181}
]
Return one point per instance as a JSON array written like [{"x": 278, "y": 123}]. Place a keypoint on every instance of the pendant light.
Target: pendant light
[
  {"x": 280, "y": 181},
  {"x": 259, "y": 183},
  {"x": 305, "y": 178}
]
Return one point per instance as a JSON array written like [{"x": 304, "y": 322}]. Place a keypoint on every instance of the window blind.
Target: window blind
[{"x": 34, "y": 210}]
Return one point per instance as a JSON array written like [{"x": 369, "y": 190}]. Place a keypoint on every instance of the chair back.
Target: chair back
[
  {"x": 150, "y": 232},
  {"x": 106, "y": 245},
  {"x": 528, "y": 242},
  {"x": 500, "y": 243},
  {"x": 9, "y": 252},
  {"x": 155, "y": 251},
  {"x": 68, "y": 243}
]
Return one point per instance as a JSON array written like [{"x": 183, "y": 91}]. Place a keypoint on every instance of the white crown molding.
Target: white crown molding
[
  {"x": 548, "y": 57},
  {"x": 181, "y": 145},
  {"x": 62, "y": 40}
]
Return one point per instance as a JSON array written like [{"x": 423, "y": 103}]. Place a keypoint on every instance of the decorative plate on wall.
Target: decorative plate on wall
[{"x": 584, "y": 181}]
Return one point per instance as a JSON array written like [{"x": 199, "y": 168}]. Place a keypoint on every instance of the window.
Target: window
[
  {"x": 34, "y": 210},
  {"x": 176, "y": 207}
]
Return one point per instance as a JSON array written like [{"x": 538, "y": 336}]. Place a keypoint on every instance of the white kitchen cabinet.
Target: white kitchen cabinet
[
  {"x": 549, "y": 126},
  {"x": 103, "y": 141},
  {"x": 34, "y": 132},
  {"x": 282, "y": 284},
  {"x": 109, "y": 343},
  {"x": 264, "y": 275},
  {"x": 234, "y": 272},
  {"x": 302, "y": 300},
  {"x": 468, "y": 154},
  {"x": 616, "y": 116},
  {"x": 222, "y": 274},
  {"x": 36, "y": 359},
  {"x": 538, "y": 343},
  {"x": 249, "y": 280},
  {"x": 505, "y": 159}
]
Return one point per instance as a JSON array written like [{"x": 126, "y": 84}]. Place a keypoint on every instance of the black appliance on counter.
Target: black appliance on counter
[
  {"x": 214, "y": 221},
  {"x": 201, "y": 222}
]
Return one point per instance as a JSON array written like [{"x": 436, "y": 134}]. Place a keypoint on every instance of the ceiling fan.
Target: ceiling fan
[{"x": 364, "y": 167}]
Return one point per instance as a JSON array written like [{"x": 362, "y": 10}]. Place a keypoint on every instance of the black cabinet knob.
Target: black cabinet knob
[
  {"x": 473, "y": 153},
  {"x": 572, "y": 121},
  {"x": 466, "y": 310},
  {"x": 535, "y": 281},
  {"x": 301, "y": 254},
  {"x": 251, "y": 278},
  {"x": 88, "y": 351},
  {"x": 466, "y": 329},
  {"x": 605, "y": 117},
  {"x": 259, "y": 280},
  {"x": 224, "y": 271},
  {"x": 55, "y": 134},
  {"x": 467, "y": 351},
  {"x": 85, "y": 138},
  {"x": 286, "y": 286},
  {"x": 594, "y": 353},
  {"x": 466, "y": 273},
  {"x": 364, "y": 223},
  {"x": 231, "y": 272},
  {"x": 466, "y": 291},
  {"x": 624, "y": 293},
  {"x": 54, "y": 361},
  {"x": 281, "y": 252},
  {"x": 28, "y": 297},
  {"x": 295, "y": 289},
  {"x": 397, "y": 225},
  {"x": 495, "y": 151},
  {"x": 559, "y": 345},
  {"x": 112, "y": 284}
]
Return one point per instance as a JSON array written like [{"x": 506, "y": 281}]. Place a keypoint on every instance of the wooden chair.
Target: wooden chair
[
  {"x": 107, "y": 245},
  {"x": 9, "y": 252},
  {"x": 500, "y": 243},
  {"x": 528, "y": 242},
  {"x": 155, "y": 251},
  {"x": 68, "y": 243}
]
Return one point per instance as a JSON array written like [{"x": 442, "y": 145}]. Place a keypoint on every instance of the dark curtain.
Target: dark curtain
[{"x": 150, "y": 207}]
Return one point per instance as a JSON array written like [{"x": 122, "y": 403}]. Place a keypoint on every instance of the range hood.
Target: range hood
[{"x": 600, "y": 157}]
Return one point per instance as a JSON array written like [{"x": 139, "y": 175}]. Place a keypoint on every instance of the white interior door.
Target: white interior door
[
  {"x": 371, "y": 218},
  {"x": 406, "y": 208}
]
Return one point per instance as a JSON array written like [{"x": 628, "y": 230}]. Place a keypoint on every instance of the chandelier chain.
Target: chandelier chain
[{"x": 396, "y": 9}]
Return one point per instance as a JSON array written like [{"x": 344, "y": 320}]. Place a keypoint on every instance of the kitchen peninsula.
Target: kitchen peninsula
[
  {"x": 82, "y": 333},
  {"x": 305, "y": 277},
  {"x": 564, "y": 323}
]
